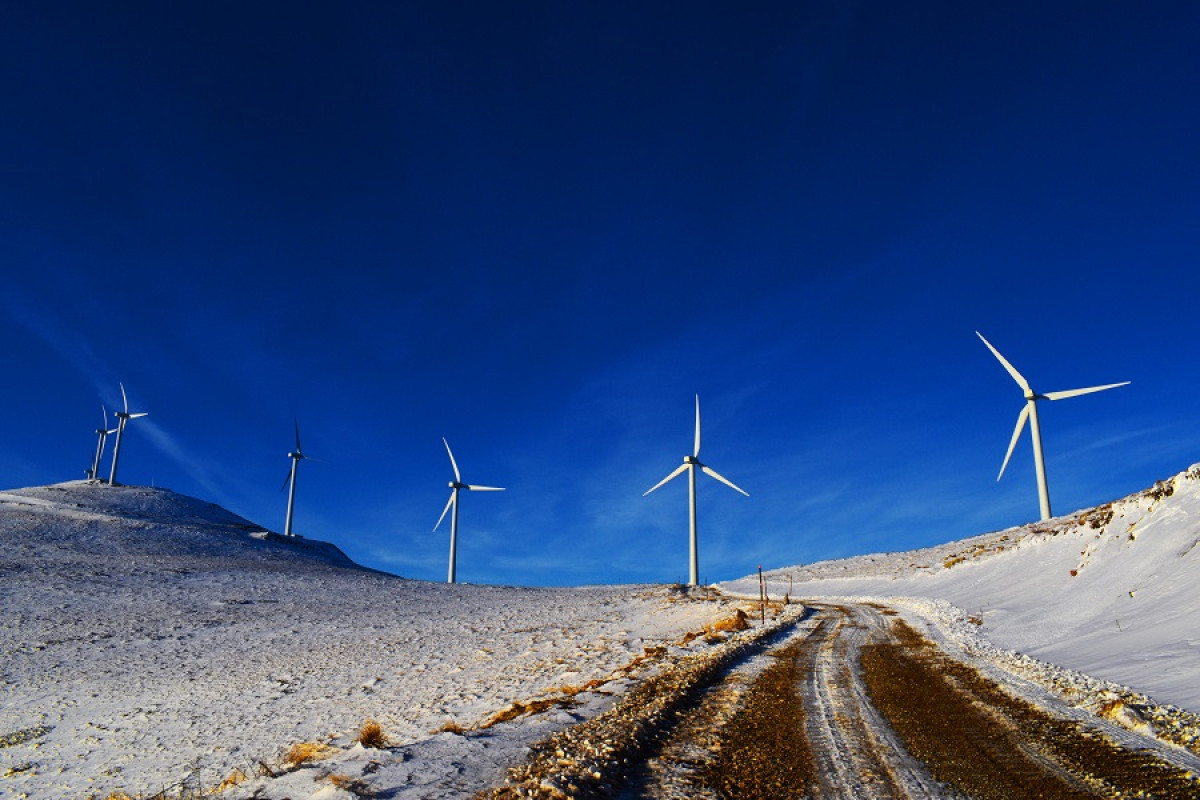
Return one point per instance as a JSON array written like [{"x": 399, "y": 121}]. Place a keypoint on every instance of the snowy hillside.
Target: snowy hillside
[
  {"x": 1112, "y": 591},
  {"x": 146, "y": 636}
]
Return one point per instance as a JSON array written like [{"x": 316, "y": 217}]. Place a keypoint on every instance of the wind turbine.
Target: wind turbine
[
  {"x": 689, "y": 464},
  {"x": 455, "y": 485},
  {"x": 296, "y": 456},
  {"x": 1030, "y": 412},
  {"x": 103, "y": 432},
  {"x": 123, "y": 417}
]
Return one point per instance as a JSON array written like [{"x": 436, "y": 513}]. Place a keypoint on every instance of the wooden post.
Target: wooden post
[{"x": 762, "y": 594}]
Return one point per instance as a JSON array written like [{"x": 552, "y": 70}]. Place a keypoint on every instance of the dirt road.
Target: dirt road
[
  {"x": 857, "y": 753},
  {"x": 854, "y": 703}
]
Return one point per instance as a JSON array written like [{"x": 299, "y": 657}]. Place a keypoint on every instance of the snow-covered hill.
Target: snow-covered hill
[
  {"x": 144, "y": 634},
  {"x": 80, "y": 523},
  {"x": 1112, "y": 591}
]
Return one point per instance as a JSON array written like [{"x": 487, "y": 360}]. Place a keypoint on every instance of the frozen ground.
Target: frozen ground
[
  {"x": 1112, "y": 591},
  {"x": 146, "y": 635},
  {"x": 150, "y": 640}
]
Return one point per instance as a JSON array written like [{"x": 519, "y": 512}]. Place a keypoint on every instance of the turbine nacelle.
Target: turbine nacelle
[
  {"x": 690, "y": 464},
  {"x": 289, "y": 482},
  {"x": 103, "y": 433},
  {"x": 452, "y": 503},
  {"x": 123, "y": 417},
  {"x": 1029, "y": 413}
]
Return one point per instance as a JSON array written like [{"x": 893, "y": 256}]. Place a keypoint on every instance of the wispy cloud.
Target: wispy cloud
[
  {"x": 73, "y": 347},
  {"x": 59, "y": 336},
  {"x": 195, "y": 467}
]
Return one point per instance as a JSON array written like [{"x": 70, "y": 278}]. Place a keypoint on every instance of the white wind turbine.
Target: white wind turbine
[
  {"x": 1030, "y": 412},
  {"x": 455, "y": 485},
  {"x": 689, "y": 464},
  {"x": 122, "y": 418},
  {"x": 296, "y": 456},
  {"x": 103, "y": 433}
]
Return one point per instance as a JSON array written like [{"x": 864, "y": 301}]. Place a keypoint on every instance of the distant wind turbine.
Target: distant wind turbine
[
  {"x": 455, "y": 485},
  {"x": 689, "y": 464},
  {"x": 123, "y": 417},
  {"x": 296, "y": 456},
  {"x": 1030, "y": 412},
  {"x": 103, "y": 432}
]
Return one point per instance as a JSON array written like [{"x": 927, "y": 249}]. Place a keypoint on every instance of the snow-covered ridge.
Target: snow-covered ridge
[
  {"x": 138, "y": 519},
  {"x": 128, "y": 502},
  {"x": 147, "y": 638},
  {"x": 1110, "y": 591}
]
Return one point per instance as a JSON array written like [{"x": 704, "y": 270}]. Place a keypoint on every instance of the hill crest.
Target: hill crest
[{"x": 81, "y": 520}]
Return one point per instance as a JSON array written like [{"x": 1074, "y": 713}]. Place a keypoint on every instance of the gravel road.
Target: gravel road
[{"x": 849, "y": 701}]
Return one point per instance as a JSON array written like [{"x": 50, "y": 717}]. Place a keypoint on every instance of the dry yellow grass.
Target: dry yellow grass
[
  {"x": 452, "y": 727},
  {"x": 304, "y": 753},
  {"x": 371, "y": 735},
  {"x": 738, "y": 622},
  {"x": 355, "y": 786},
  {"x": 520, "y": 709},
  {"x": 570, "y": 690},
  {"x": 236, "y": 777}
]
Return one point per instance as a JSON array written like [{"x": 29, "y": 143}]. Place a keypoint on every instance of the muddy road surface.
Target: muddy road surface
[{"x": 851, "y": 702}]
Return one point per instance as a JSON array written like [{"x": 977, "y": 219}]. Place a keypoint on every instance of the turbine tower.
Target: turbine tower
[
  {"x": 689, "y": 464},
  {"x": 103, "y": 432},
  {"x": 1030, "y": 412},
  {"x": 296, "y": 456},
  {"x": 455, "y": 485},
  {"x": 123, "y": 417}
]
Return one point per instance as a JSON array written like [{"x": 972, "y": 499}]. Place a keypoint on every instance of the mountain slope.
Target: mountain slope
[
  {"x": 77, "y": 522},
  {"x": 145, "y": 635},
  {"x": 1111, "y": 591}
]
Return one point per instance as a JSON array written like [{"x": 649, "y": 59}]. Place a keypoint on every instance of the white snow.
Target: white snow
[
  {"x": 149, "y": 639},
  {"x": 1113, "y": 592},
  {"x": 145, "y": 634}
]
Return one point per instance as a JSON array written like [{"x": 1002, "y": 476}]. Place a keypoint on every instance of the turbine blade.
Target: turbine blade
[
  {"x": 124, "y": 399},
  {"x": 286, "y": 480},
  {"x": 1024, "y": 415},
  {"x": 678, "y": 471},
  {"x": 453, "y": 463},
  {"x": 1077, "y": 392},
  {"x": 485, "y": 488},
  {"x": 1018, "y": 377},
  {"x": 296, "y": 422},
  {"x": 714, "y": 474},
  {"x": 139, "y": 414},
  {"x": 104, "y": 417},
  {"x": 449, "y": 503},
  {"x": 696, "y": 449}
]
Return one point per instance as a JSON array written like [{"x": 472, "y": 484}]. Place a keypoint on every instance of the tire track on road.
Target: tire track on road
[
  {"x": 858, "y": 754},
  {"x": 850, "y": 703}
]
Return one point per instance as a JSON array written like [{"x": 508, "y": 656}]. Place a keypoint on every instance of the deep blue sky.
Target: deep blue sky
[{"x": 537, "y": 229}]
